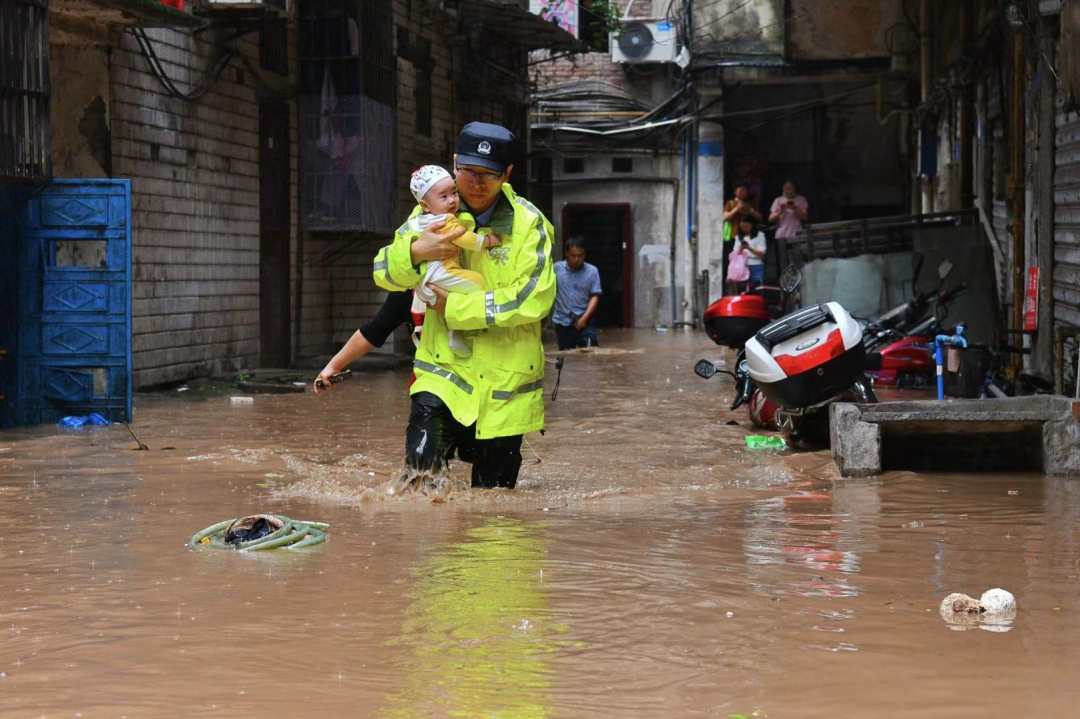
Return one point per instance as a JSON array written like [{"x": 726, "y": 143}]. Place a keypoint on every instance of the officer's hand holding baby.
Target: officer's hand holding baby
[{"x": 433, "y": 246}]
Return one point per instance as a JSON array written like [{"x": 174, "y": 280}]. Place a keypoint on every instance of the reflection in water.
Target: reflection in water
[
  {"x": 476, "y": 628},
  {"x": 683, "y": 576},
  {"x": 803, "y": 532}
]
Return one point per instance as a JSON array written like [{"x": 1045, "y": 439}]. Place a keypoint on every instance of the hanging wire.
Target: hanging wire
[{"x": 146, "y": 47}]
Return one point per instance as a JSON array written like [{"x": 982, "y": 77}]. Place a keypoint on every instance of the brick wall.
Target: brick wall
[
  {"x": 194, "y": 168},
  {"x": 587, "y": 66}
]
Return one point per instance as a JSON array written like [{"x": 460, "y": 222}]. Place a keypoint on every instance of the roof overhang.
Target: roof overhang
[
  {"x": 93, "y": 16},
  {"x": 515, "y": 23}
]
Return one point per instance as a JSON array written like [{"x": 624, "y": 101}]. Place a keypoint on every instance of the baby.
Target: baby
[{"x": 434, "y": 189}]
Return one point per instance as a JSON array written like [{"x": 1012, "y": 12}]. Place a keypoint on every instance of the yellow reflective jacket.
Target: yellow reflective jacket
[{"x": 500, "y": 386}]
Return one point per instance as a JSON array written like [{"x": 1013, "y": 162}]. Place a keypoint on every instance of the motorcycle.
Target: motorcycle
[
  {"x": 900, "y": 343},
  {"x": 804, "y": 362},
  {"x": 800, "y": 364},
  {"x": 732, "y": 320},
  {"x": 791, "y": 370}
]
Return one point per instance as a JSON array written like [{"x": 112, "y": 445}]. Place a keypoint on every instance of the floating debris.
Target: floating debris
[
  {"x": 257, "y": 532},
  {"x": 998, "y": 601},
  {"x": 763, "y": 441},
  {"x": 994, "y": 611}
]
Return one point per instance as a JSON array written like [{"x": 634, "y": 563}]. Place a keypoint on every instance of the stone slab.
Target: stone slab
[{"x": 858, "y": 431}]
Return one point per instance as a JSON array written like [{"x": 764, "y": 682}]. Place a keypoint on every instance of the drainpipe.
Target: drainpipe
[
  {"x": 1043, "y": 357},
  {"x": 692, "y": 220},
  {"x": 967, "y": 111},
  {"x": 674, "y": 239},
  {"x": 1017, "y": 198},
  {"x": 924, "y": 93},
  {"x": 684, "y": 174}
]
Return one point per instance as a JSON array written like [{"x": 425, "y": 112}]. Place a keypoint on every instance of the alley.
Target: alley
[{"x": 674, "y": 574}]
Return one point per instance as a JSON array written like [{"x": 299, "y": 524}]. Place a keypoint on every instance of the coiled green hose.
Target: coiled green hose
[{"x": 294, "y": 534}]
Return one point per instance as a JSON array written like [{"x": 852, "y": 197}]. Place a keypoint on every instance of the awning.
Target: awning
[{"x": 514, "y": 22}]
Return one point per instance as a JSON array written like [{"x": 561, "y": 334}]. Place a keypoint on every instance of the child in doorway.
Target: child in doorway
[
  {"x": 738, "y": 272},
  {"x": 434, "y": 189},
  {"x": 752, "y": 240}
]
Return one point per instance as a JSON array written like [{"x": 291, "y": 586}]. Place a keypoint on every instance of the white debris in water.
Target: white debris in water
[
  {"x": 998, "y": 601},
  {"x": 729, "y": 615},
  {"x": 241, "y": 401},
  {"x": 994, "y": 611}
]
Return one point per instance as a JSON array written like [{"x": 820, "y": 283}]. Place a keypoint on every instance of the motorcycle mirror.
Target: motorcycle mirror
[
  {"x": 790, "y": 279},
  {"x": 944, "y": 269},
  {"x": 705, "y": 369}
]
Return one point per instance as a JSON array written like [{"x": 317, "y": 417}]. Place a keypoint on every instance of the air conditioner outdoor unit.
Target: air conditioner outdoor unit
[{"x": 644, "y": 40}]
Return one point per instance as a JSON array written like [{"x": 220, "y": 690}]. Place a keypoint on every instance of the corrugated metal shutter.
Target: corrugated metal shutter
[
  {"x": 999, "y": 218},
  {"x": 1066, "y": 277}
]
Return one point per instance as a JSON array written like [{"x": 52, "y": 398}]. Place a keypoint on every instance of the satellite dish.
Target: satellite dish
[{"x": 636, "y": 40}]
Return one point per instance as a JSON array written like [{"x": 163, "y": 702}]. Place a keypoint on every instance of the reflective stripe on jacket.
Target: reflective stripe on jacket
[{"x": 500, "y": 386}]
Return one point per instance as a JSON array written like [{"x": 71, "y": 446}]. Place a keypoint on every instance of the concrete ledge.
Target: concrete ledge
[
  {"x": 1038, "y": 433},
  {"x": 856, "y": 445},
  {"x": 1037, "y": 408}
]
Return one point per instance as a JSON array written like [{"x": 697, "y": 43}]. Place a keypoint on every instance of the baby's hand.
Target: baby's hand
[{"x": 492, "y": 240}]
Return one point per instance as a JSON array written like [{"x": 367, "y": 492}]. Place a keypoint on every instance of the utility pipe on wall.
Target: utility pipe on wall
[
  {"x": 1017, "y": 197},
  {"x": 925, "y": 183}
]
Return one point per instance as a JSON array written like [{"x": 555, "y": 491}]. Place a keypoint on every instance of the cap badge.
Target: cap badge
[{"x": 484, "y": 148}]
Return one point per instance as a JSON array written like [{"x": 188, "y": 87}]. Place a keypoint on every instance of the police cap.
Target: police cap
[{"x": 485, "y": 145}]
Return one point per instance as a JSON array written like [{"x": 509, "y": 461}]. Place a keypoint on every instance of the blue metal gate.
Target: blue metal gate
[{"x": 73, "y": 347}]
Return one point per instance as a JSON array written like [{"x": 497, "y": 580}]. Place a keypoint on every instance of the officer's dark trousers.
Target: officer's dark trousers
[{"x": 434, "y": 436}]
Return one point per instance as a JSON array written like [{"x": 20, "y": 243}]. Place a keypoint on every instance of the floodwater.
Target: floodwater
[{"x": 648, "y": 565}]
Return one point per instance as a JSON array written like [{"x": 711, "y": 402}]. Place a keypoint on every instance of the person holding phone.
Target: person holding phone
[
  {"x": 751, "y": 240},
  {"x": 789, "y": 211}
]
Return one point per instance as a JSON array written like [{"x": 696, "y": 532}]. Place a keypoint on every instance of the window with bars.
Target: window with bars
[
  {"x": 274, "y": 45},
  {"x": 347, "y": 96},
  {"x": 25, "y": 145},
  {"x": 422, "y": 91}
]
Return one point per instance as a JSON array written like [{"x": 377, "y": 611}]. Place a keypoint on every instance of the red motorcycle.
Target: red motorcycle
[
  {"x": 900, "y": 343},
  {"x": 733, "y": 320}
]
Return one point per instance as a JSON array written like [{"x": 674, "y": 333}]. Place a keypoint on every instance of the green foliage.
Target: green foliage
[{"x": 600, "y": 18}]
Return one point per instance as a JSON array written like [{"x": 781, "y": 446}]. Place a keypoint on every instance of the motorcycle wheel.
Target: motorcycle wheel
[{"x": 762, "y": 411}]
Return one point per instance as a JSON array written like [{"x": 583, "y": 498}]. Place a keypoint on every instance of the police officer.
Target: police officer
[{"x": 480, "y": 405}]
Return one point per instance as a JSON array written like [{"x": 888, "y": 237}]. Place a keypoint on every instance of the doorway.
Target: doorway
[
  {"x": 274, "y": 222},
  {"x": 609, "y": 245}
]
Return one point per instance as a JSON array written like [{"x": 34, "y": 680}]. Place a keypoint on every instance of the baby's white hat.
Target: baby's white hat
[{"x": 425, "y": 178}]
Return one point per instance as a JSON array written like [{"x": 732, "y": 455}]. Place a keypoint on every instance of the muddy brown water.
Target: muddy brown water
[{"x": 648, "y": 566}]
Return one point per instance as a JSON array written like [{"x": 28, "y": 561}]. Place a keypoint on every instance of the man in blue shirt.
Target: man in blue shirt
[{"x": 577, "y": 286}]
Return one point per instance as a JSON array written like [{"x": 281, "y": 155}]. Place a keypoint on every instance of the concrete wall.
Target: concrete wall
[
  {"x": 80, "y": 110},
  {"x": 737, "y": 26},
  {"x": 651, "y": 206},
  {"x": 835, "y": 29},
  {"x": 711, "y": 152},
  {"x": 866, "y": 286}
]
